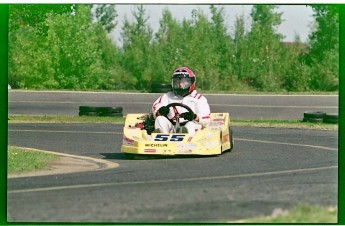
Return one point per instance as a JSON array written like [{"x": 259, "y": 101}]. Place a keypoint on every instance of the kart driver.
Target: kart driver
[{"x": 183, "y": 91}]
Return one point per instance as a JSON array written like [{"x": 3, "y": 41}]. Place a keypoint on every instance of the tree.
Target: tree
[
  {"x": 137, "y": 37},
  {"x": 240, "y": 39},
  {"x": 34, "y": 15},
  {"x": 74, "y": 54},
  {"x": 202, "y": 48},
  {"x": 262, "y": 69},
  {"x": 223, "y": 47},
  {"x": 29, "y": 62},
  {"x": 297, "y": 74},
  {"x": 168, "y": 46},
  {"x": 106, "y": 15},
  {"x": 323, "y": 56},
  {"x": 326, "y": 32}
]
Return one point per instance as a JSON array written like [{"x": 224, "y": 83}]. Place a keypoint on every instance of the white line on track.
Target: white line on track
[
  {"x": 289, "y": 144},
  {"x": 173, "y": 180}
]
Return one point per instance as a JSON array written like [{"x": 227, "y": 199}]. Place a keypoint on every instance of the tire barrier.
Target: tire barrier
[
  {"x": 313, "y": 116},
  {"x": 320, "y": 117},
  {"x": 100, "y": 111},
  {"x": 331, "y": 118},
  {"x": 160, "y": 88}
]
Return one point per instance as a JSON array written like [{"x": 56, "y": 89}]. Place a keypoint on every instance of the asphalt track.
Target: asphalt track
[
  {"x": 269, "y": 168},
  {"x": 239, "y": 106}
]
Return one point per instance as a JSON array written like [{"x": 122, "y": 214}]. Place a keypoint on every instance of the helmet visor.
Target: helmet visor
[{"x": 181, "y": 83}]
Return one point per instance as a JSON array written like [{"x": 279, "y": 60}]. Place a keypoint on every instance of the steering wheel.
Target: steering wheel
[
  {"x": 180, "y": 105},
  {"x": 177, "y": 125}
]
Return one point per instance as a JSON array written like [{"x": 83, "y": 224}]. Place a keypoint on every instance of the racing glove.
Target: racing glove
[
  {"x": 189, "y": 116},
  {"x": 163, "y": 111}
]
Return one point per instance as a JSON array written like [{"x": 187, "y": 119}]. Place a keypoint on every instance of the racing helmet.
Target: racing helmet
[{"x": 183, "y": 81}]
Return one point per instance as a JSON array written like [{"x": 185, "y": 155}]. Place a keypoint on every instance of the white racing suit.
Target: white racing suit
[{"x": 197, "y": 103}]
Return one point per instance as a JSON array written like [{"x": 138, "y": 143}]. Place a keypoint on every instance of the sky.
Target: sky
[{"x": 297, "y": 19}]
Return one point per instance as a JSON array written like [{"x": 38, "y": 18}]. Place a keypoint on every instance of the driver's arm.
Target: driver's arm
[
  {"x": 160, "y": 102},
  {"x": 203, "y": 111}
]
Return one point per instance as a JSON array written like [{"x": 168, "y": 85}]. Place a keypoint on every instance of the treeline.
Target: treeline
[{"x": 69, "y": 47}]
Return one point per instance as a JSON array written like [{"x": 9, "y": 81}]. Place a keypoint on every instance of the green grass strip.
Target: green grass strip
[
  {"x": 21, "y": 160},
  {"x": 288, "y": 124},
  {"x": 300, "y": 214}
]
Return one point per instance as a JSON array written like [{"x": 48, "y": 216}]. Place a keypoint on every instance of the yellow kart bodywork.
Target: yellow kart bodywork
[{"x": 211, "y": 140}]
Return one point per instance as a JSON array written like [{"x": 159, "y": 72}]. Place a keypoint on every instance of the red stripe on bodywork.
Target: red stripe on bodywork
[{"x": 150, "y": 150}]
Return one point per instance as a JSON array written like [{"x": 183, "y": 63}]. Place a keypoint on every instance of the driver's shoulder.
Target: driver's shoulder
[{"x": 196, "y": 95}]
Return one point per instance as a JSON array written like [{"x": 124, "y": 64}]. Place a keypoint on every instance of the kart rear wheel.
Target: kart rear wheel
[
  {"x": 129, "y": 156},
  {"x": 231, "y": 137}
]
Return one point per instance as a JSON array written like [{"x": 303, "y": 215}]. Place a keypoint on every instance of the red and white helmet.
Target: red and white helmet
[{"x": 183, "y": 81}]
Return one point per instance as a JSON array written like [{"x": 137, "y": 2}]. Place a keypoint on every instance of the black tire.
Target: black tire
[
  {"x": 331, "y": 118},
  {"x": 314, "y": 116},
  {"x": 331, "y": 121},
  {"x": 313, "y": 120},
  {"x": 88, "y": 109},
  {"x": 310, "y": 115},
  {"x": 100, "y": 111},
  {"x": 88, "y": 113},
  {"x": 129, "y": 156},
  {"x": 111, "y": 114},
  {"x": 110, "y": 110}
]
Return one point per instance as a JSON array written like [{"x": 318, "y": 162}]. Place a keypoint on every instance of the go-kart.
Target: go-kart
[{"x": 140, "y": 137}]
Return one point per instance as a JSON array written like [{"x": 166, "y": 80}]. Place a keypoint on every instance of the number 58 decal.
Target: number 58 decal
[{"x": 168, "y": 137}]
